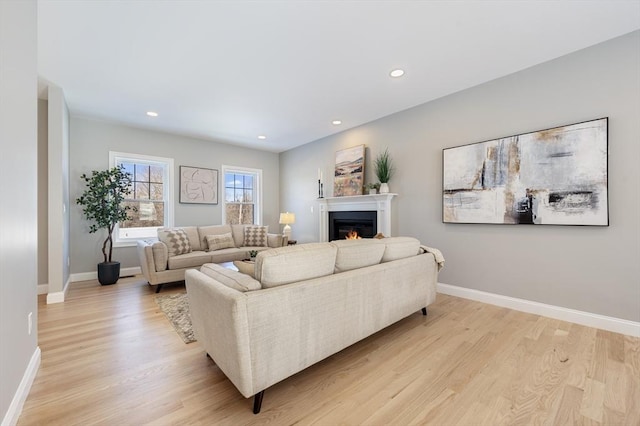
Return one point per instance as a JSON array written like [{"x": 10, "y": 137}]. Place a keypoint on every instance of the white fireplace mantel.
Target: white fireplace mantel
[{"x": 378, "y": 202}]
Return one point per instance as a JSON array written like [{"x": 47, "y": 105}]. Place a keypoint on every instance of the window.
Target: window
[
  {"x": 242, "y": 195},
  {"x": 151, "y": 195}
]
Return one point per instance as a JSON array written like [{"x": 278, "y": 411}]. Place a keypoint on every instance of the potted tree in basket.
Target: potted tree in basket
[
  {"x": 102, "y": 203},
  {"x": 384, "y": 170}
]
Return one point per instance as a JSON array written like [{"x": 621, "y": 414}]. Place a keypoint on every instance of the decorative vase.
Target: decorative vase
[
  {"x": 108, "y": 272},
  {"x": 384, "y": 188},
  {"x": 372, "y": 191}
]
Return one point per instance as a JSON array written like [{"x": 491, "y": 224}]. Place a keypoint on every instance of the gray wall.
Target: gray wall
[
  {"x": 593, "y": 269},
  {"x": 91, "y": 141},
  {"x": 58, "y": 188},
  {"x": 18, "y": 209},
  {"x": 43, "y": 192}
]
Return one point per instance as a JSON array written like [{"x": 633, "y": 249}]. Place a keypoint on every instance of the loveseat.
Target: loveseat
[
  {"x": 165, "y": 259},
  {"x": 305, "y": 303}
]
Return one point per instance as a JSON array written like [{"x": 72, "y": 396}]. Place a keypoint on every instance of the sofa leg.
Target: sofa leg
[
  {"x": 159, "y": 288},
  {"x": 424, "y": 311},
  {"x": 257, "y": 402}
]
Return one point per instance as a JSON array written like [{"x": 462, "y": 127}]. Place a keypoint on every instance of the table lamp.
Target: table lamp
[{"x": 287, "y": 219}]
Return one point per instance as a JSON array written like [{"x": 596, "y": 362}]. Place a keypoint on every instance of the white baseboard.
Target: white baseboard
[
  {"x": 43, "y": 288},
  {"x": 589, "y": 319},
  {"x": 84, "y": 276},
  {"x": 15, "y": 408},
  {"x": 87, "y": 276},
  {"x": 58, "y": 296},
  {"x": 136, "y": 270}
]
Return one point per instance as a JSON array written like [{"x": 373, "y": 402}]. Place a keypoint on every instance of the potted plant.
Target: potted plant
[
  {"x": 384, "y": 170},
  {"x": 102, "y": 203},
  {"x": 373, "y": 187}
]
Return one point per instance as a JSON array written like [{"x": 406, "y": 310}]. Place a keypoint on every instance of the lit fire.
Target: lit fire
[{"x": 353, "y": 235}]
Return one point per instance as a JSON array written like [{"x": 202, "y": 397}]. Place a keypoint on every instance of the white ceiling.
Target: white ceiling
[{"x": 231, "y": 70}]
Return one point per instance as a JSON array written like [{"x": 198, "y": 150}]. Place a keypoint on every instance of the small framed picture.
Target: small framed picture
[{"x": 198, "y": 185}]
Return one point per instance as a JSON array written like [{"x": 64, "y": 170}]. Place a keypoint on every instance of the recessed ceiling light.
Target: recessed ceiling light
[
  {"x": 397, "y": 73},
  {"x": 336, "y": 122},
  {"x": 152, "y": 113},
  {"x": 262, "y": 137}
]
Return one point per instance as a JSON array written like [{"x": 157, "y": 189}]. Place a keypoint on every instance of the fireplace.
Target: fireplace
[
  {"x": 379, "y": 204},
  {"x": 364, "y": 223}
]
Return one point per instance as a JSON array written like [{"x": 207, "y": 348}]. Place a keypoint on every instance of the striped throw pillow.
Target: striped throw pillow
[{"x": 218, "y": 242}]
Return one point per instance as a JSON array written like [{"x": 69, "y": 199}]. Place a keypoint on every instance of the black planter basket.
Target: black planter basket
[{"x": 108, "y": 272}]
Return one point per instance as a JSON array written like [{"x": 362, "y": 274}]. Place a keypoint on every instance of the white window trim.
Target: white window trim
[
  {"x": 169, "y": 187},
  {"x": 257, "y": 188}
]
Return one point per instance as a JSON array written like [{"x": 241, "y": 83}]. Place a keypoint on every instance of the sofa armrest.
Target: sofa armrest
[
  {"x": 153, "y": 255},
  {"x": 277, "y": 240},
  {"x": 220, "y": 323},
  {"x": 145, "y": 256}
]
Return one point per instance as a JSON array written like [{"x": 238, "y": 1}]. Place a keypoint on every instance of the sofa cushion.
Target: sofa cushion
[
  {"x": 255, "y": 236},
  {"x": 176, "y": 240},
  {"x": 285, "y": 265},
  {"x": 231, "y": 254},
  {"x": 227, "y": 255},
  {"x": 189, "y": 260},
  {"x": 160, "y": 255},
  {"x": 230, "y": 278},
  {"x": 192, "y": 234},
  {"x": 217, "y": 242},
  {"x": 354, "y": 254},
  {"x": 399, "y": 248},
  {"x": 203, "y": 231},
  {"x": 238, "y": 234}
]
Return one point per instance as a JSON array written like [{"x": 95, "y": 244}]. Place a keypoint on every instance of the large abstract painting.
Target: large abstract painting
[
  {"x": 198, "y": 185},
  {"x": 349, "y": 172},
  {"x": 550, "y": 177}
]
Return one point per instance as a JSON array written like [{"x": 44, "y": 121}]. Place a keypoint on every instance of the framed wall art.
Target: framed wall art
[
  {"x": 198, "y": 185},
  {"x": 556, "y": 176},
  {"x": 349, "y": 172}
]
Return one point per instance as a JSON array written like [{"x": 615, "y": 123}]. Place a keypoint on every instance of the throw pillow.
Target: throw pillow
[
  {"x": 255, "y": 236},
  {"x": 218, "y": 242},
  {"x": 176, "y": 240}
]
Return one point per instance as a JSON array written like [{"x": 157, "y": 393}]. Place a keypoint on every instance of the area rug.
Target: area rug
[{"x": 176, "y": 309}]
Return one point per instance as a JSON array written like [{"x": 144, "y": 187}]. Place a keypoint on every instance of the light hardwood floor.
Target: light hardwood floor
[{"x": 110, "y": 357}]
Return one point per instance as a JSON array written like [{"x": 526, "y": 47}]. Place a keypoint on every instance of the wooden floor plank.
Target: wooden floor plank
[{"x": 110, "y": 357}]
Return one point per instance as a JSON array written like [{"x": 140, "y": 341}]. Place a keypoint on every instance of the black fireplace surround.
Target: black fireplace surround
[{"x": 365, "y": 223}]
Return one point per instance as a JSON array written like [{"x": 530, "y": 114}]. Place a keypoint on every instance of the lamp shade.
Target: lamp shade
[{"x": 287, "y": 218}]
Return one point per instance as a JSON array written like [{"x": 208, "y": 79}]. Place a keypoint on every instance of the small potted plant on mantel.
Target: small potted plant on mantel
[
  {"x": 102, "y": 203},
  {"x": 373, "y": 188},
  {"x": 384, "y": 170}
]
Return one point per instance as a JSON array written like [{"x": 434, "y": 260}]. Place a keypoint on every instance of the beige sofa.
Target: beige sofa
[
  {"x": 159, "y": 266},
  {"x": 306, "y": 303}
]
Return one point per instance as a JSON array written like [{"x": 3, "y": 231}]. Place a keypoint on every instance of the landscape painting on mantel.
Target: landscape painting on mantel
[
  {"x": 349, "y": 172},
  {"x": 556, "y": 176}
]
